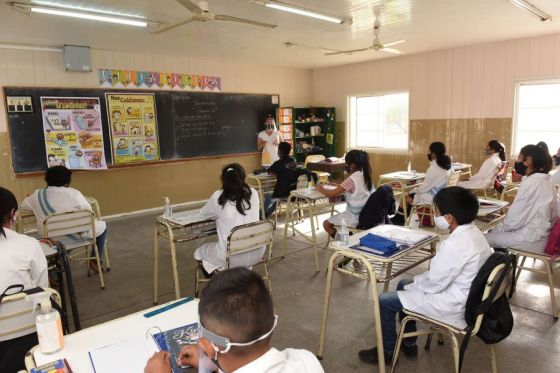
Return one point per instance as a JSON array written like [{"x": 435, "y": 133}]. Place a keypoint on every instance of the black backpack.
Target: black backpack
[
  {"x": 377, "y": 209},
  {"x": 498, "y": 319}
]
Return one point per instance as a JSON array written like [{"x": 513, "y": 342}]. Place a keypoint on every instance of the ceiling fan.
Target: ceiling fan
[
  {"x": 377, "y": 45},
  {"x": 201, "y": 13}
]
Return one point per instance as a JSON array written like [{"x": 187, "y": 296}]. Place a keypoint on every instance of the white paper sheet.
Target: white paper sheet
[{"x": 129, "y": 356}]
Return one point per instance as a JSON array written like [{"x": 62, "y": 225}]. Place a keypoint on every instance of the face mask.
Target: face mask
[
  {"x": 441, "y": 223},
  {"x": 429, "y": 157},
  {"x": 556, "y": 160},
  {"x": 486, "y": 152},
  {"x": 347, "y": 168},
  {"x": 520, "y": 168},
  {"x": 270, "y": 127},
  {"x": 205, "y": 364}
]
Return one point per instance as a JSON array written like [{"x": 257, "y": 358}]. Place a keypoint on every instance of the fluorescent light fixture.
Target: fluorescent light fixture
[
  {"x": 530, "y": 8},
  {"x": 79, "y": 14},
  {"x": 30, "y": 47},
  {"x": 301, "y": 11},
  {"x": 84, "y": 9}
]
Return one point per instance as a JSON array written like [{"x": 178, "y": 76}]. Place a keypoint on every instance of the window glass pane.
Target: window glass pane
[
  {"x": 538, "y": 115},
  {"x": 381, "y": 121}
]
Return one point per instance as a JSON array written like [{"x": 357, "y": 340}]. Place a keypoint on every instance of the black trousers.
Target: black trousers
[{"x": 12, "y": 352}]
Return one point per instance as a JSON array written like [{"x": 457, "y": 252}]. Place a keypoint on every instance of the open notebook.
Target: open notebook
[{"x": 402, "y": 235}]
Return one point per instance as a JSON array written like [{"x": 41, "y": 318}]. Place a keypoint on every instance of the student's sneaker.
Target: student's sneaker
[
  {"x": 370, "y": 356},
  {"x": 409, "y": 351}
]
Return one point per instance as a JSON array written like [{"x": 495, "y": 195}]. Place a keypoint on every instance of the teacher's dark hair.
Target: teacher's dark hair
[
  {"x": 8, "y": 204},
  {"x": 234, "y": 188}
]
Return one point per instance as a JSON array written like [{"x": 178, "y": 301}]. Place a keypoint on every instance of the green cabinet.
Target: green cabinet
[{"x": 313, "y": 131}]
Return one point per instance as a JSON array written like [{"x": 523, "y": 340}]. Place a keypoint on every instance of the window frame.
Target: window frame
[
  {"x": 518, "y": 84},
  {"x": 350, "y": 127}
]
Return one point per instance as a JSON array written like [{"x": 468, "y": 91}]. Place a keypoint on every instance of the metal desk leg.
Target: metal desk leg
[
  {"x": 71, "y": 292},
  {"x": 311, "y": 208},
  {"x": 156, "y": 263},
  {"x": 388, "y": 269},
  {"x": 287, "y": 221},
  {"x": 174, "y": 262},
  {"x": 376, "y": 314},
  {"x": 403, "y": 201},
  {"x": 62, "y": 293},
  {"x": 326, "y": 305}
]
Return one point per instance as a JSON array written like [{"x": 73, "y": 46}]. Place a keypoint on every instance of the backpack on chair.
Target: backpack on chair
[
  {"x": 497, "y": 322},
  {"x": 377, "y": 209}
]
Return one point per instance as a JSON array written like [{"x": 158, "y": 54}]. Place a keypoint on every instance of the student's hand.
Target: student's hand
[
  {"x": 158, "y": 363},
  {"x": 262, "y": 142},
  {"x": 409, "y": 200},
  {"x": 188, "y": 356},
  {"x": 319, "y": 188}
]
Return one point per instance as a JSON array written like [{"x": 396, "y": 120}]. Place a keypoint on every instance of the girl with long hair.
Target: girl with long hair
[{"x": 484, "y": 178}]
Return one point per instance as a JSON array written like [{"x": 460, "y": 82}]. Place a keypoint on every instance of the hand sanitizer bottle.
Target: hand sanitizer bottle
[
  {"x": 167, "y": 209},
  {"x": 49, "y": 325},
  {"x": 409, "y": 168},
  {"x": 343, "y": 235}
]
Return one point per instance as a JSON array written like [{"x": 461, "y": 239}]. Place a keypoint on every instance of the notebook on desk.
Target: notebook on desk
[{"x": 129, "y": 355}]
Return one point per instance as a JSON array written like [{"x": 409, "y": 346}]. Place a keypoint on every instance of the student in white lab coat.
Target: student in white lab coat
[
  {"x": 268, "y": 141},
  {"x": 233, "y": 205},
  {"x": 486, "y": 175},
  {"x": 442, "y": 291},
  {"x": 436, "y": 177},
  {"x": 58, "y": 197},
  {"x": 22, "y": 262},
  {"x": 236, "y": 324},
  {"x": 529, "y": 219}
]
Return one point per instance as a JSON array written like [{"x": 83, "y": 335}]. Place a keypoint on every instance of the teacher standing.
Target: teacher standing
[{"x": 268, "y": 141}]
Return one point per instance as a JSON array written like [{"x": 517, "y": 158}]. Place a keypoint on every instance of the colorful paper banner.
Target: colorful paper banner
[{"x": 156, "y": 80}]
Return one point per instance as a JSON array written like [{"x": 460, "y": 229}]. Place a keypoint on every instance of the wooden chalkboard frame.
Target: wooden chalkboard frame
[{"x": 106, "y": 90}]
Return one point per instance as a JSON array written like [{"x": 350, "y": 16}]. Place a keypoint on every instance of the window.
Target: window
[
  {"x": 537, "y": 115},
  {"x": 379, "y": 121}
]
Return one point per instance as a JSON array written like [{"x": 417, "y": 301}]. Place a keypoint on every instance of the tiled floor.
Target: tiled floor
[{"x": 298, "y": 293}]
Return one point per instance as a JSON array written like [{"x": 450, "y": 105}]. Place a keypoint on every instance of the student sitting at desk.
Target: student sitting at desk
[
  {"x": 529, "y": 219},
  {"x": 236, "y": 324},
  {"x": 22, "y": 262},
  {"x": 285, "y": 170},
  {"x": 58, "y": 197},
  {"x": 436, "y": 179},
  {"x": 357, "y": 188},
  {"x": 442, "y": 291},
  {"x": 233, "y": 205},
  {"x": 486, "y": 175}
]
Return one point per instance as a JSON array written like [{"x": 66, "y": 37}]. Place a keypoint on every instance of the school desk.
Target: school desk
[
  {"x": 58, "y": 264},
  {"x": 182, "y": 227},
  {"x": 377, "y": 269},
  {"x": 465, "y": 168},
  {"x": 301, "y": 200},
  {"x": 263, "y": 184},
  {"x": 406, "y": 180},
  {"x": 490, "y": 213},
  {"x": 78, "y": 344},
  {"x": 334, "y": 168}
]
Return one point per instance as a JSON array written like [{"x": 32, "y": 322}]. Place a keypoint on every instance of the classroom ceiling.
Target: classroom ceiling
[{"x": 425, "y": 24}]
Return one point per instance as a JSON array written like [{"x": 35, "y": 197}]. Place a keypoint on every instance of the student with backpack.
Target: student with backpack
[
  {"x": 442, "y": 291},
  {"x": 356, "y": 188}
]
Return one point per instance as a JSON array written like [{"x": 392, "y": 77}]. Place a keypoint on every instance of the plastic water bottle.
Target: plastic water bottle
[
  {"x": 167, "y": 209},
  {"x": 343, "y": 235},
  {"x": 409, "y": 168}
]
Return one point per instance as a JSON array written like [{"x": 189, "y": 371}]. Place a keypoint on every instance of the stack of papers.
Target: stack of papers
[
  {"x": 187, "y": 217},
  {"x": 403, "y": 235}
]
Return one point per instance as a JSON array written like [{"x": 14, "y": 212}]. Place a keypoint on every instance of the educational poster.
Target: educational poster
[
  {"x": 73, "y": 132},
  {"x": 132, "y": 120}
]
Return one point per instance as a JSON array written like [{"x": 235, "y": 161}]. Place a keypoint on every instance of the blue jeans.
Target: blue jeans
[
  {"x": 269, "y": 205},
  {"x": 100, "y": 241},
  {"x": 390, "y": 304}
]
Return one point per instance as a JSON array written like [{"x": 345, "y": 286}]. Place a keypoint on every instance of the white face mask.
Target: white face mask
[{"x": 441, "y": 223}]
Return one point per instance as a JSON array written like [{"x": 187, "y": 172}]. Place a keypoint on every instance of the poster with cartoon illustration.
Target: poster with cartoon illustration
[
  {"x": 72, "y": 130},
  {"x": 133, "y": 124}
]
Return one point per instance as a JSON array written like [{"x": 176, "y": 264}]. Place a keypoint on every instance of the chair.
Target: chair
[
  {"x": 74, "y": 230},
  {"x": 243, "y": 240},
  {"x": 97, "y": 213},
  {"x": 430, "y": 209},
  {"x": 551, "y": 264},
  {"x": 17, "y": 317},
  {"x": 452, "y": 331},
  {"x": 323, "y": 176},
  {"x": 500, "y": 176}
]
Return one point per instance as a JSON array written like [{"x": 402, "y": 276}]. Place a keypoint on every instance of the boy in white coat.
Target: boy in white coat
[
  {"x": 530, "y": 218},
  {"x": 236, "y": 324},
  {"x": 442, "y": 291}
]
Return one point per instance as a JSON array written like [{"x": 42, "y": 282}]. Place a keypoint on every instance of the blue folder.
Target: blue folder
[{"x": 380, "y": 244}]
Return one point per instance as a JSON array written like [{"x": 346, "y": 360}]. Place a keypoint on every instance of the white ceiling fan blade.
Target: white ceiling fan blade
[
  {"x": 171, "y": 27},
  {"x": 391, "y": 50},
  {"x": 394, "y": 43},
  {"x": 221, "y": 17},
  {"x": 347, "y": 52},
  {"x": 190, "y": 6}
]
